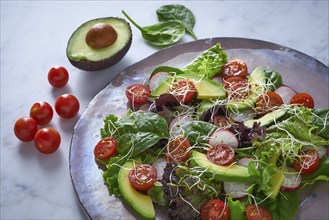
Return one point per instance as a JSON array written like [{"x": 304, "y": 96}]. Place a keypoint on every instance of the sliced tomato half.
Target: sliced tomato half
[
  {"x": 143, "y": 176},
  {"x": 222, "y": 155},
  {"x": 215, "y": 209}
]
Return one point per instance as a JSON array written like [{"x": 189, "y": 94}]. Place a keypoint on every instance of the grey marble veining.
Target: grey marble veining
[{"x": 34, "y": 35}]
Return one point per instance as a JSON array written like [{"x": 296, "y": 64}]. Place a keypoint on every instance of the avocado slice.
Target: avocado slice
[
  {"x": 206, "y": 88},
  {"x": 85, "y": 57},
  {"x": 267, "y": 119},
  {"x": 140, "y": 203},
  {"x": 232, "y": 173},
  {"x": 257, "y": 82}
]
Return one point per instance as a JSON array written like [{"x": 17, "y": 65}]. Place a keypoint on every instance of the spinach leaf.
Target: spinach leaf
[
  {"x": 208, "y": 64},
  {"x": 321, "y": 174},
  {"x": 161, "y": 34},
  {"x": 168, "y": 69},
  {"x": 136, "y": 132},
  {"x": 198, "y": 132},
  {"x": 273, "y": 79},
  {"x": 178, "y": 12}
]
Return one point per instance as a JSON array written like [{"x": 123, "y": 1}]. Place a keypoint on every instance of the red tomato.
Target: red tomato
[
  {"x": 138, "y": 93},
  {"x": 303, "y": 99},
  {"x": 184, "y": 90},
  {"x": 268, "y": 101},
  {"x": 308, "y": 162},
  {"x": 105, "y": 148},
  {"x": 42, "y": 112},
  {"x": 235, "y": 68},
  {"x": 215, "y": 209},
  {"x": 58, "y": 76},
  {"x": 254, "y": 212},
  {"x": 25, "y": 128},
  {"x": 221, "y": 155},
  {"x": 143, "y": 177},
  {"x": 47, "y": 140},
  {"x": 236, "y": 87},
  {"x": 67, "y": 106},
  {"x": 178, "y": 149}
]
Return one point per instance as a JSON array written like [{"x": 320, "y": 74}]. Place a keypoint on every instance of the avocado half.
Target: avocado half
[{"x": 84, "y": 57}]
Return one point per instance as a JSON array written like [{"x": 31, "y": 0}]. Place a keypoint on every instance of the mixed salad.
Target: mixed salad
[{"x": 214, "y": 140}]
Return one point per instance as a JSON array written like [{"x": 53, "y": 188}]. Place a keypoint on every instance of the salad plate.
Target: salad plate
[{"x": 298, "y": 70}]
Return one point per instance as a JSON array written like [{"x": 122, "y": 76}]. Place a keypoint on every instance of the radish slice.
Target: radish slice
[
  {"x": 245, "y": 162},
  {"x": 159, "y": 165},
  {"x": 235, "y": 189},
  {"x": 177, "y": 125},
  {"x": 218, "y": 79},
  {"x": 223, "y": 137},
  {"x": 292, "y": 180},
  {"x": 322, "y": 150},
  {"x": 156, "y": 79},
  {"x": 286, "y": 93},
  {"x": 243, "y": 115}
]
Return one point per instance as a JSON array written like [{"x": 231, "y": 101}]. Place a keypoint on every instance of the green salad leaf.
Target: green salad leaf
[
  {"x": 322, "y": 121},
  {"x": 198, "y": 132},
  {"x": 209, "y": 63}
]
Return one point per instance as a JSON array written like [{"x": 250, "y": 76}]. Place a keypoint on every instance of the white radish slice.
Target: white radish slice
[
  {"x": 218, "y": 79},
  {"x": 178, "y": 125},
  {"x": 156, "y": 79},
  {"x": 235, "y": 189},
  {"x": 159, "y": 165},
  {"x": 245, "y": 162},
  {"x": 286, "y": 93},
  {"x": 223, "y": 137},
  {"x": 322, "y": 150},
  {"x": 292, "y": 180},
  {"x": 243, "y": 115}
]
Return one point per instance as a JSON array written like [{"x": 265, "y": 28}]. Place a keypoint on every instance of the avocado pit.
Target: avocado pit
[{"x": 101, "y": 35}]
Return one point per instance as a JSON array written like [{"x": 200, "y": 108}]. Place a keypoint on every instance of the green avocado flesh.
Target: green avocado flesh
[
  {"x": 85, "y": 57},
  {"x": 232, "y": 173},
  {"x": 140, "y": 203},
  {"x": 206, "y": 88},
  {"x": 257, "y": 81},
  {"x": 267, "y": 119}
]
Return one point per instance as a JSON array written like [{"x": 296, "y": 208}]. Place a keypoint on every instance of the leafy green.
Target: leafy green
[
  {"x": 321, "y": 174},
  {"x": 285, "y": 206},
  {"x": 237, "y": 209},
  {"x": 322, "y": 121},
  {"x": 168, "y": 69},
  {"x": 161, "y": 34},
  {"x": 136, "y": 131},
  {"x": 273, "y": 79},
  {"x": 156, "y": 194},
  {"x": 209, "y": 63},
  {"x": 178, "y": 12},
  {"x": 198, "y": 132}
]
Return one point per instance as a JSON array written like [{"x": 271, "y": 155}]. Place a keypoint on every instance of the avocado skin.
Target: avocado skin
[{"x": 89, "y": 65}]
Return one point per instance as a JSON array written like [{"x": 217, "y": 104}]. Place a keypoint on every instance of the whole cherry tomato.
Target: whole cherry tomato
[
  {"x": 58, "y": 76},
  {"x": 67, "y": 106},
  {"x": 25, "y": 128},
  {"x": 47, "y": 140},
  {"x": 42, "y": 112}
]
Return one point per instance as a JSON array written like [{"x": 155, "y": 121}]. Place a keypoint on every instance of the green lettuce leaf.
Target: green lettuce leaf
[
  {"x": 208, "y": 64},
  {"x": 198, "y": 132},
  {"x": 322, "y": 121},
  {"x": 321, "y": 174}
]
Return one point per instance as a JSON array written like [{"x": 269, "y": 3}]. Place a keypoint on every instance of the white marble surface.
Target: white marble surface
[{"x": 33, "y": 39}]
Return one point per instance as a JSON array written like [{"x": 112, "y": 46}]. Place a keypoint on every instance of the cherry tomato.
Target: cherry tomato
[
  {"x": 143, "y": 177},
  {"x": 236, "y": 87},
  {"x": 178, "y": 149},
  {"x": 42, "y": 112},
  {"x": 254, "y": 212},
  {"x": 138, "y": 93},
  {"x": 221, "y": 155},
  {"x": 58, "y": 76},
  {"x": 67, "y": 106},
  {"x": 47, "y": 140},
  {"x": 184, "y": 90},
  {"x": 308, "y": 162},
  {"x": 25, "y": 128},
  {"x": 215, "y": 209},
  {"x": 105, "y": 148},
  {"x": 235, "y": 68},
  {"x": 268, "y": 101},
  {"x": 303, "y": 99}
]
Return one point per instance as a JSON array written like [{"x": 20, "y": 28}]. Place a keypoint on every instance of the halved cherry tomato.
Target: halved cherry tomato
[
  {"x": 184, "y": 90},
  {"x": 221, "y": 155},
  {"x": 42, "y": 112},
  {"x": 215, "y": 209},
  {"x": 58, "y": 76},
  {"x": 67, "y": 106},
  {"x": 308, "y": 162},
  {"x": 254, "y": 212},
  {"x": 105, "y": 148},
  {"x": 303, "y": 99},
  {"x": 235, "y": 68},
  {"x": 237, "y": 88},
  {"x": 25, "y": 128},
  {"x": 47, "y": 140},
  {"x": 138, "y": 93},
  {"x": 268, "y": 101},
  {"x": 143, "y": 177},
  {"x": 178, "y": 149}
]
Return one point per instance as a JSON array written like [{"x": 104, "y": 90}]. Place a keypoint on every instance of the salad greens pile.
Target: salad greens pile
[{"x": 271, "y": 147}]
